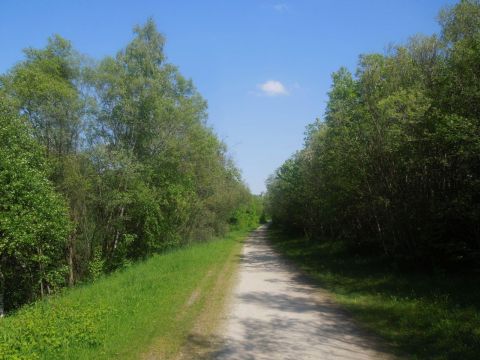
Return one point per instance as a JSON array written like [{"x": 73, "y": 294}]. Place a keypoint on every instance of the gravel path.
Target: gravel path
[{"x": 275, "y": 314}]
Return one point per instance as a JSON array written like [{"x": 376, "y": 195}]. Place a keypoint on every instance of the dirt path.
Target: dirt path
[{"x": 274, "y": 314}]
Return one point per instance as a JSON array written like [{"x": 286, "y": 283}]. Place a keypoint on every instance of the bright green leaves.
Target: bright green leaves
[
  {"x": 43, "y": 87},
  {"x": 177, "y": 167},
  {"x": 34, "y": 221}
]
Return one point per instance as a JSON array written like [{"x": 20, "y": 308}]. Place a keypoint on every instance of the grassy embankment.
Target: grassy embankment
[
  {"x": 423, "y": 316},
  {"x": 146, "y": 310}
]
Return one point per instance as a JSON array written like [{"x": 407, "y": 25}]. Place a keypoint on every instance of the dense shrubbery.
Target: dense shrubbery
[
  {"x": 396, "y": 162},
  {"x": 102, "y": 164},
  {"x": 249, "y": 214}
]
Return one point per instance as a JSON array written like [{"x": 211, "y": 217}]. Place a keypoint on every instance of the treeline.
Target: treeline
[
  {"x": 395, "y": 164},
  {"x": 105, "y": 163}
]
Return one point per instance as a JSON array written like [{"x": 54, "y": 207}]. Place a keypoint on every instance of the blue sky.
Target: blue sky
[{"x": 264, "y": 66}]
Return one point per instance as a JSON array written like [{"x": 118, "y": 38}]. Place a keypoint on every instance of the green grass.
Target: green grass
[
  {"x": 422, "y": 316},
  {"x": 146, "y": 307}
]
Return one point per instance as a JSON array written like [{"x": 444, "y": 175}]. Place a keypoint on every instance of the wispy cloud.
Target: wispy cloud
[
  {"x": 273, "y": 88},
  {"x": 280, "y": 7}
]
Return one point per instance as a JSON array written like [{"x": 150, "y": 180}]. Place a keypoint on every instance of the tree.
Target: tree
[
  {"x": 394, "y": 164},
  {"x": 126, "y": 143},
  {"x": 46, "y": 89}
]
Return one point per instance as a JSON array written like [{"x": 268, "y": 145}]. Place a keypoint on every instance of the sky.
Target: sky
[{"x": 264, "y": 66}]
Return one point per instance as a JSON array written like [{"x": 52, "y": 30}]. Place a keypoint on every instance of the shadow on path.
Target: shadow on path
[{"x": 276, "y": 314}]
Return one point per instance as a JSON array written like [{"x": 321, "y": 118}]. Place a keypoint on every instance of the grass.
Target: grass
[
  {"x": 147, "y": 309},
  {"x": 422, "y": 316}
]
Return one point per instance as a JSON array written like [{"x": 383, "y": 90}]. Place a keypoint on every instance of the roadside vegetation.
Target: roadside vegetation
[
  {"x": 146, "y": 309},
  {"x": 105, "y": 163},
  {"x": 386, "y": 191}
]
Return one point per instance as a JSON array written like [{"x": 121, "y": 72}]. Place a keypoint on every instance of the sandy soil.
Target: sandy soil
[{"x": 275, "y": 314}]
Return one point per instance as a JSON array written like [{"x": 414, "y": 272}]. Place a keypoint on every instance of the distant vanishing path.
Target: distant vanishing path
[{"x": 276, "y": 315}]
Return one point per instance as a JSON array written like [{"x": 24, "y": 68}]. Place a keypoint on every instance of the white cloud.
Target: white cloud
[
  {"x": 280, "y": 7},
  {"x": 273, "y": 88}
]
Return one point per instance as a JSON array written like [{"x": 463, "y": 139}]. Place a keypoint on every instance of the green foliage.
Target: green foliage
[
  {"x": 394, "y": 164},
  {"x": 167, "y": 179},
  {"x": 249, "y": 213},
  {"x": 33, "y": 218},
  {"x": 43, "y": 88},
  {"x": 122, "y": 314},
  {"x": 128, "y": 147},
  {"x": 96, "y": 266}
]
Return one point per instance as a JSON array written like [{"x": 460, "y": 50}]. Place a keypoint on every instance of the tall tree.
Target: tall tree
[{"x": 46, "y": 88}]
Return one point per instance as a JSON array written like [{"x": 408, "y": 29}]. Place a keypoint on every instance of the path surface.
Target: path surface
[{"x": 274, "y": 314}]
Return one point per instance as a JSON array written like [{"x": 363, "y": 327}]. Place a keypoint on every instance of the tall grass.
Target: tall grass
[
  {"x": 121, "y": 315},
  {"x": 422, "y": 315}
]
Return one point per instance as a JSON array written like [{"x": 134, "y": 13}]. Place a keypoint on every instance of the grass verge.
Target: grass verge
[
  {"x": 423, "y": 316},
  {"x": 145, "y": 310}
]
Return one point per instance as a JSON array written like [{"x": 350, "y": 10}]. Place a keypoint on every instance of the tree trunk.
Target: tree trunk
[
  {"x": 117, "y": 233},
  {"x": 42, "y": 291},
  {"x": 2, "y": 293},
  {"x": 71, "y": 277}
]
